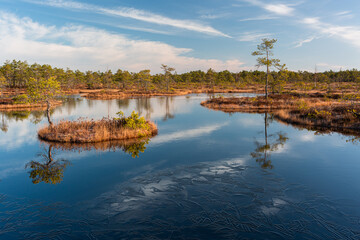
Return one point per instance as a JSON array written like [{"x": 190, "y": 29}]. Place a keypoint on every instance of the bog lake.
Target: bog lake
[{"x": 206, "y": 175}]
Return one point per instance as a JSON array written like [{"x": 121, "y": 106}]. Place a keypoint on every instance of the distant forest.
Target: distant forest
[{"x": 15, "y": 74}]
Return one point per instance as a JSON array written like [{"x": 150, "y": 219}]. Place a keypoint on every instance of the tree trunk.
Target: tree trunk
[
  {"x": 167, "y": 83},
  {"x": 266, "y": 137},
  {"x": 48, "y": 112},
  {"x": 50, "y": 153},
  {"x": 267, "y": 74}
]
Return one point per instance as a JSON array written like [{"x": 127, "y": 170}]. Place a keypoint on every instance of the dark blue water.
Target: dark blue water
[{"x": 207, "y": 175}]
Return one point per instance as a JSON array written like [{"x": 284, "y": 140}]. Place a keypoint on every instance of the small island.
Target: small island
[
  {"x": 316, "y": 110},
  {"x": 90, "y": 131}
]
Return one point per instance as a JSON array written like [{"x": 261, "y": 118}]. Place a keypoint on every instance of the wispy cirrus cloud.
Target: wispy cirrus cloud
[
  {"x": 135, "y": 14},
  {"x": 331, "y": 66},
  {"x": 88, "y": 48},
  {"x": 350, "y": 34},
  {"x": 252, "y": 36},
  {"x": 259, "y": 18},
  {"x": 275, "y": 8},
  {"x": 307, "y": 40},
  {"x": 344, "y": 15},
  {"x": 214, "y": 16}
]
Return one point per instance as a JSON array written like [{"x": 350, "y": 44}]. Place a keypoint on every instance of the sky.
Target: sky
[{"x": 188, "y": 35}]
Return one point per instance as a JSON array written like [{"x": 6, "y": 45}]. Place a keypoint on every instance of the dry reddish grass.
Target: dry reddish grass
[
  {"x": 289, "y": 101},
  {"x": 89, "y": 131},
  {"x": 111, "y": 94},
  {"x": 101, "y": 94}
]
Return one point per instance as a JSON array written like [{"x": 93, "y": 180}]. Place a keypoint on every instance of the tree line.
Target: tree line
[{"x": 17, "y": 74}]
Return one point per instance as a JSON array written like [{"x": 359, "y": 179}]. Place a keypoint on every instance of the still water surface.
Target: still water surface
[{"x": 207, "y": 175}]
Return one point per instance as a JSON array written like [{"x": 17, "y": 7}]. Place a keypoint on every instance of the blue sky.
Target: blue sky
[{"x": 187, "y": 34}]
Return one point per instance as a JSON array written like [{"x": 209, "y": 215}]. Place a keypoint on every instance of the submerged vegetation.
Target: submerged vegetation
[{"x": 90, "y": 131}]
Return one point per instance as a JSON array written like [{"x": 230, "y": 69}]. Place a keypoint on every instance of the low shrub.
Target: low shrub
[{"x": 21, "y": 99}]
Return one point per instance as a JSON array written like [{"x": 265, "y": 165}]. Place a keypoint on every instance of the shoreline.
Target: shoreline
[
  {"x": 28, "y": 106},
  {"x": 115, "y": 94},
  {"x": 315, "y": 111},
  {"x": 89, "y": 131}
]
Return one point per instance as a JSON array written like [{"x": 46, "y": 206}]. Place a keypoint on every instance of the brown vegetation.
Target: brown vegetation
[
  {"x": 117, "y": 94},
  {"x": 9, "y": 104},
  {"x": 321, "y": 111},
  {"x": 90, "y": 131},
  {"x": 340, "y": 88}
]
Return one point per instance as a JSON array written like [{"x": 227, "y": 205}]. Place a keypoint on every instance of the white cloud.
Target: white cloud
[
  {"x": 302, "y": 42},
  {"x": 213, "y": 16},
  {"x": 350, "y": 34},
  {"x": 280, "y": 9},
  {"x": 250, "y": 122},
  {"x": 313, "y": 20},
  {"x": 88, "y": 48},
  {"x": 259, "y": 18},
  {"x": 136, "y": 14},
  {"x": 252, "y": 36},
  {"x": 20, "y": 134},
  {"x": 331, "y": 66},
  {"x": 342, "y": 13},
  {"x": 187, "y": 134},
  {"x": 276, "y": 8},
  {"x": 308, "y": 137}
]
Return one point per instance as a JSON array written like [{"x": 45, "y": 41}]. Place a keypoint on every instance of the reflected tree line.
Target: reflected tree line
[
  {"x": 143, "y": 107},
  {"x": 35, "y": 116},
  {"x": 3, "y": 124}
]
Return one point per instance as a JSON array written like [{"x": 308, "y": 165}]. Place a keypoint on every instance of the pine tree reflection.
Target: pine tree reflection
[
  {"x": 51, "y": 171},
  {"x": 48, "y": 169},
  {"x": 123, "y": 104},
  {"x": 273, "y": 142},
  {"x": 35, "y": 116},
  {"x": 144, "y": 104},
  {"x": 168, "y": 114},
  {"x": 4, "y": 125}
]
